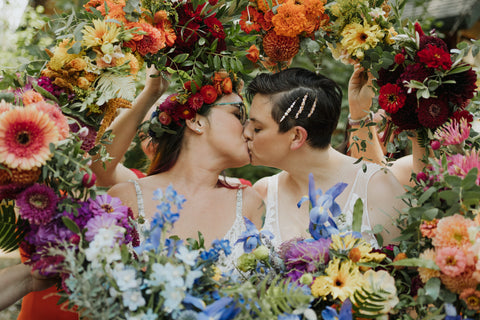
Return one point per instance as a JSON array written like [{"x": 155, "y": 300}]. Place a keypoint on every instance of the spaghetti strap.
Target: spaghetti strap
[
  {"x": 140, "y": 204},
  {"x": 238, "y": 211}
]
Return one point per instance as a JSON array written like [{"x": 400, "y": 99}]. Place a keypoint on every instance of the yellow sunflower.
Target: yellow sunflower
[
  {"x": 357, "y": 37},
  {"x": 341, "y": 281},
  {"x": 100, "y": 34}
]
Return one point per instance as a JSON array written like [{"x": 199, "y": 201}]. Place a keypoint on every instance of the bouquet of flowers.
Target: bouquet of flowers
[
  {"x": 426, "y": 86},
  {"x": 337, "y": 271},
  {"x": 91, "y": 71},
  {"x": 360, "y": 31},
  {"x": 280, "y": 26},
  {"x": 161, "y": 278},
  {"x": 440, "y": 230}
]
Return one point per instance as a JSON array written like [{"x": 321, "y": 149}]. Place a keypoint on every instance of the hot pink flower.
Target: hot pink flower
[
  {"x": 453, "y": 132},
  {"x": 460, "y": 165}
]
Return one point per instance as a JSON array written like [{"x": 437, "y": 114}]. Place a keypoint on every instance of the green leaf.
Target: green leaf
[
  {"x": 432, "y": 287},
  {"x": 357, "y": 215},
  {"x": 416, "y": 262},
  {"x": 180, "y": 57},
  {"x": 12, "y": 229},
  {"x": 70, "y": 224}
]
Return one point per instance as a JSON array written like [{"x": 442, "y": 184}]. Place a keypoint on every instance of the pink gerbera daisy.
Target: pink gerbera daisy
[
  {"x": 25, "y": 135},
  {"x": 453, "y": 232},
  {"x": 5, "y": 106},
  {"x": 460, "y": 165},
  {"x": 451, "y": 261},
  {"x": 56, "y": 116},
  {"x": 453, "y": 132}
]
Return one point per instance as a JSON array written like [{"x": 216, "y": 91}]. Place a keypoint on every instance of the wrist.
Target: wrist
[{"x": 354, "y": 121}]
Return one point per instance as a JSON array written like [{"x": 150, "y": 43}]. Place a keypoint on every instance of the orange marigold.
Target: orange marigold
[
  {"x": 253, "y": 53},
  {"x": 290, "y": 19},
  {"x": 264, "y": 6},
  {"x": 280, "y": 48}
]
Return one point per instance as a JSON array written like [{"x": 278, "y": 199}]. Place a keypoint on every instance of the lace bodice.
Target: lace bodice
[
  {"x": 344, "y": 221},
  {"x": 225, "y": 263}
]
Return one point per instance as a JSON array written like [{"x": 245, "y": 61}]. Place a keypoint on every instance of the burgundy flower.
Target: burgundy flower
[
  {"x": 48, "y": 265},
  {"x": 391, "y": 98},
  {"x": 11, "y": 190},
  {"x": 389, "y": 75},
  {"x": 462, "y": 90},
  {"x": 215, "y": 27},
  {"x": 432, "y": 112},
  {"x": 431, "y": 40},
  {"x": 415, "y": 72},
  {"x": 459, "y": 114},
  {"x": 195, "y": 101},
  {"x": 89, "y": 138},
  {"x": 406, "y": 118},
  {"x": 435, "y": 57},
  {"x": 37, "y": 203}
]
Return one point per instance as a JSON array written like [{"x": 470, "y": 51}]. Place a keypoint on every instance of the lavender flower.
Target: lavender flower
[
  {"x": 106, "y": 204},
  {"x": 306, "y": 257}
]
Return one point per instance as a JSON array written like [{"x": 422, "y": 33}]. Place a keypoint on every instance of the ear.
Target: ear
[
  {"x": 299, "y": 137},
  {"x": 196, "y": 124}
]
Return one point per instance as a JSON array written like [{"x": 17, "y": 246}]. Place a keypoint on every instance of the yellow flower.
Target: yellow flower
[
  {"x": 218, "y": 274},
  {"x": 357, "y": 36},
  {"x": 343, "y": 242},
  {"x": 425, "y": 273},
  {"x": 348, "y": 242},
  {"x": 60, "y": 56},
  {"x": 341, "y": 281},
  {"x": 100, "y": 34}
]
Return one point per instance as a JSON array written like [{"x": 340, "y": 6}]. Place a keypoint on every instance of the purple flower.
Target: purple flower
[
  {"x": 107, "y": 204},
  {"x": 37, "y": 203},
  {"x": 51, "y": 233},
  {"x": 305, "y": 256},
  {"x": 93, "y": 226},
  {"x": 81, "y": 215}
]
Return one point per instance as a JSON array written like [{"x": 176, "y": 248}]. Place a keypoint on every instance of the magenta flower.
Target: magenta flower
[
  {"x": 453, "y": 132},
  {"x": 38, "y": 204}
]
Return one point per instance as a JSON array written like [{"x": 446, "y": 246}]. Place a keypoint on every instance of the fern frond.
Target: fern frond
[
  {"x": 12, "y": 229},
  {"x": 113, "y": 85}
]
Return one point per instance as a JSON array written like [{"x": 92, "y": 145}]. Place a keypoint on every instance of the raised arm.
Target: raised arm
[
  {"x": 360, "y": 94},
  {"x": 124, "y": 128}
]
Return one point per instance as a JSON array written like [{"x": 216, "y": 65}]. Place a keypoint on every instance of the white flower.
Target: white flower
[
  {"x": 126, "y": 278},
  {"x": 191, "y": 277},
  {"x": 382, "y": 284},
  {"x": 133, "y": 299},
  {"x": 187, "y": 256},
  {"x": 173, "y": 297}
]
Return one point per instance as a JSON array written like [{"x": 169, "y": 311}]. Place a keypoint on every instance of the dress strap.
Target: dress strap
[
  {"x": 272, "y": 223},
  {"x": 140, "y": 204},
  {"x": 239, "y": 207}
]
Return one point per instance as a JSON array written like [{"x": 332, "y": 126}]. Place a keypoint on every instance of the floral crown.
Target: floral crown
[{"x": 192, "y": 98}]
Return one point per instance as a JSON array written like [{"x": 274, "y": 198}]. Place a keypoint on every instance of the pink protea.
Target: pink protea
[
  {"x": 451, "y": 261},
  {"x": 453, "y": 232},
  {"x": 453, "y": 132},
  {"x": 460, "y": 165}
]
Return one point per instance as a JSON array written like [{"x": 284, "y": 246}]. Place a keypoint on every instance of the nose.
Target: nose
[{"x": 247, "y": 132}]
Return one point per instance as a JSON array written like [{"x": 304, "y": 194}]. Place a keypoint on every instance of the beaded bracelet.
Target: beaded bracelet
[{"x": 368, "y": 118}]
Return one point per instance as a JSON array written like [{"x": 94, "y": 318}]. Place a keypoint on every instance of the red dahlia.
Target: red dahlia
[
  {"x": 215, "y": 27},
  {"x": 433, "y": 112},
  {"x": 435, "y": 57},
  {"x": 462, "y": 90},
  {"x": 391, "y": 98}
]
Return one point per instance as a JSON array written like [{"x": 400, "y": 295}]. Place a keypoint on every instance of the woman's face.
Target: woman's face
[
  {"x": 226, "y": 118},
  {"x": 267, "y": 146}
]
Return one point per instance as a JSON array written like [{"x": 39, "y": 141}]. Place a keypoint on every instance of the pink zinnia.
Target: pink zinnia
[
  {"x": 460, "y": 165},
  {"x": 451, "y": 261},
  {"x": 453, "y": 232},
  {"x": 453, "y": 132},
  {"x": 428, "y": 228},
  {"x": 38, "y": 204}
]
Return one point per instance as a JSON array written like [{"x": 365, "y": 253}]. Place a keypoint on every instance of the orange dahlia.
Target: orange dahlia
[
  {"x": 25, "y": 135},
  {"x": 452, "y": 231},
  {"x": 280, "y": 48}
]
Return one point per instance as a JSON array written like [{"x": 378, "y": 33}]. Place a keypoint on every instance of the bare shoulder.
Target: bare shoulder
[
  {"x": 125, "y": 191},
  {"x": 253, "y": 206},
  {"x": 385, "y": 185}
]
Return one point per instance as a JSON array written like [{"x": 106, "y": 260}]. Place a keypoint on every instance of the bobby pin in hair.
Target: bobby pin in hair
[
  {"x": 313, "y": 108},
  {"x": 288, "y": 110},
  {"x": 302, "y": 105}
]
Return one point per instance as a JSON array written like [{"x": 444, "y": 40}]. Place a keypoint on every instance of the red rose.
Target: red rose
[
  {"x": 391, "y": 98},
  {"x": 209, "y": 94},
  {"x": 399, "y": 58},
  {"x": 164, "y": 118},
  {"x": 253, "y": 53},
  {"x": 227, "y": 86}
]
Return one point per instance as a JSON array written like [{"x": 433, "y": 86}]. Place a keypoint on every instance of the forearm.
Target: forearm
[
  {"x": 16, "y": 282},
  {"x": 364, "y": 143}
]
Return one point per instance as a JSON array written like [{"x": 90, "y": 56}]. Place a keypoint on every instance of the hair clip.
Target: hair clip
[
  {"x": 301, "y": 105},
  {"x": 312, "y": 108},
  {"x": 288, "y": 110}
]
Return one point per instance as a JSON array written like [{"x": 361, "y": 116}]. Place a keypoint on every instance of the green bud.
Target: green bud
[
  {"x": 261, "y": 253},
  {"x": 306, "y": 279},
  {"x": 246, "y": 262}
]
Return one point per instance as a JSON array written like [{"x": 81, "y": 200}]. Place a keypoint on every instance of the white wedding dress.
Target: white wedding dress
[
  {"x": 225, "y": 263},
  {"x": 344, "y": 221}
]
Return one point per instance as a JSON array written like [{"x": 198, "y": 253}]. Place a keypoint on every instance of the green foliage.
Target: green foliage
[{"x": 12, "y": 228}]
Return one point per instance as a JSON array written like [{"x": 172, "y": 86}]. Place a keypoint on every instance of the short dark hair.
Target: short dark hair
[{"x": 292, "y": 87}]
